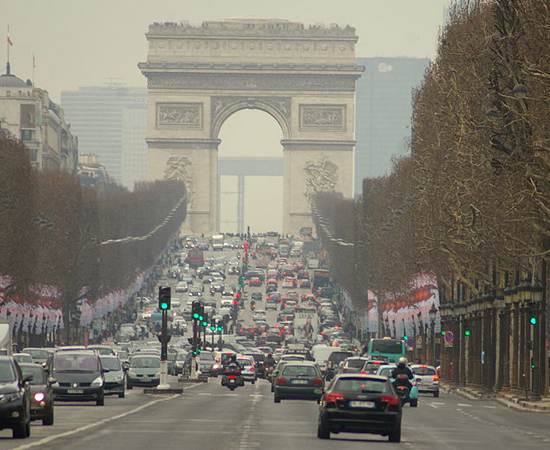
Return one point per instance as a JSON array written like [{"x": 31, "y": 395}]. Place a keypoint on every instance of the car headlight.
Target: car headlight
[
  {"x": 97, "y": 382},
  {"x": 39, "y": 396},
  {"x": 7, "y": 398}
]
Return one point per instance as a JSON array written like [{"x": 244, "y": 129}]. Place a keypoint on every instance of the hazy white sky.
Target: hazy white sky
[
  {"x": 83, "y": 42},
  {"x": 86, "y": 42}
]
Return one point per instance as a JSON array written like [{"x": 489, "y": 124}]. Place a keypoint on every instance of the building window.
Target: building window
[
  {"x": 8, "y": 93},
  {"x": 27, "y": 135}
]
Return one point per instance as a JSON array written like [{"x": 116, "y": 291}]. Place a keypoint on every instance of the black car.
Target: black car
[
  {"x": 256, "y": 296},
  {"x": 79, "y": 376},
  {"x": 41, "y": 393},
  {"x": 355, "y": 403},
  {"x": 15, "y": 398}
]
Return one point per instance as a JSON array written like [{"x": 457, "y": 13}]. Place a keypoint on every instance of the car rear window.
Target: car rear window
[
  {"x": 7, "y": 374},
  {"x": 361, "y": 385},
  {"x": 424, "y": 371},
  {"x": 356, "y": 363},
  {"x": 386, "y": 372},
  {"x": 299, "y": 371}
]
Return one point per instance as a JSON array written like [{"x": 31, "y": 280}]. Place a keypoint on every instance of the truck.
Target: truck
[
  {"x": 6, "y": 344},
  {"x": 321, "y": 278},
  {"x": 217, "y": 242}
]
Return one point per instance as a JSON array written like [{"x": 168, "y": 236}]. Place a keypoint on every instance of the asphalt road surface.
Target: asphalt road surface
[{"x": 209, "y": 416}]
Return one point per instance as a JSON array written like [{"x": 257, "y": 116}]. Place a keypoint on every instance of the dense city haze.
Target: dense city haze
[{"x": 78, "y": 44}]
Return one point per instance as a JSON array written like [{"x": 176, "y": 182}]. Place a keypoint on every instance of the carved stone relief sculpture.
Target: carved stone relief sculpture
[
  {"x": 179, "y": 168},
  {"x": 323, "y": 117},
  {"x": 321, "y": 176},
  {"x": 179, "y": 115}
]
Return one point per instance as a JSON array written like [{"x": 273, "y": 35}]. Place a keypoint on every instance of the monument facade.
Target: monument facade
[{"x": 304, "y": 77}]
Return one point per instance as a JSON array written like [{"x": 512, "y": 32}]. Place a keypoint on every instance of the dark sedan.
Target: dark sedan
[
  {"x": 41, "y": 393},
  {"x": 15, "y": 398},
  {"x": 355, "y": 403},
  {"x": 298, "y": 380}
]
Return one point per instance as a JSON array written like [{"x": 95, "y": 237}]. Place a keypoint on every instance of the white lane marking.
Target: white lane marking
[
  {"x": 489, "y": 407},
  {"x": 438, "y": 403},
  {"x": 93, "y": 425},
  {"x": 203, "y": 393},
  {"x": 465, "y": 404}
]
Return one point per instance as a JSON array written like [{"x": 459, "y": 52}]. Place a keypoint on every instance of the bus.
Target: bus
[
  {"x": 195, "y": 258},
  {"x": 387, "y": 348}
]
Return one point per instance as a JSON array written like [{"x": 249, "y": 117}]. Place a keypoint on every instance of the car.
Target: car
[
  {"x": 256, "y": 296},
  {"x": 41, "y": 393},
  {"x": 255, "y": 281},
  {"x": 144, "y": 371},
  {"x": 182, "y": 286},
  {"x": 356, "y": 403},
  {"x": 386, "y": 371},
  {"x": 115, "y": 379},
  {"x": 79, "y": 376},
  {"x": 271, "y": 305},
  {"x": 353, "y": 364},
  {"x": 39, "y": 355},
  {"x": 298, "y": 380},
  {"x": 15, "y": 398},
  {"x": 23, "y": 358},
  {"x": 102, "y": 349},
  {"x": 371, "y": 366},
  {"x": 248, "y": 368},
  {"x": 427, "y": 379},
  {"x": 178, "y": 362}
]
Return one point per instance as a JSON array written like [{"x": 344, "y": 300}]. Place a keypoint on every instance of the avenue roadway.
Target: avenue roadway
[{"x": 208, "y": 416}]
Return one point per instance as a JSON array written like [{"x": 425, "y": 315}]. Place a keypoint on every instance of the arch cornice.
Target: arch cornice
[{"x": 277, "y": 107}]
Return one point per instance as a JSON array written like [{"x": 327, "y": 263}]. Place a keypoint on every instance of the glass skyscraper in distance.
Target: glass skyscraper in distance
[
  {"x": 111, "y": 122},
  {"x": 383, "y": 113}
]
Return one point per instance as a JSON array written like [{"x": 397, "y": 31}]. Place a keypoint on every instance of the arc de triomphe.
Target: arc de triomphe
[{"x": 304, "y": 77}]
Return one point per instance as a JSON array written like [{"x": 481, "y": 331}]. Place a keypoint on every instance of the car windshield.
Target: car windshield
[
  {"x": 145, "y": 363},
  {"x": 7, "y": 373},
  {"x": 338, "y": 357},
  {"x": 299, "y": 371},
  {"x": 38, "y": 374},
  {"x": 206, "y": 357},
  {"x": 361, "y": 385},
  {"x": 75, "y": 363},
  {"x": 111, "y": 363},
  {"x": 38, "y": 353},
  {"x": 386, "y": 372}
]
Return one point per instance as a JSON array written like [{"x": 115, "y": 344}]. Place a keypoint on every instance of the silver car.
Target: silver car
[{"x": 427, "y": 379}]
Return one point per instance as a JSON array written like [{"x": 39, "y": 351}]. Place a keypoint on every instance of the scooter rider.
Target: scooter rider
[
  {"x": 403, "y": 369},
  {"x": 269, "y": 361}
]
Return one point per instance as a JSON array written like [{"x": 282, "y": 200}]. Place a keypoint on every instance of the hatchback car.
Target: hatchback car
[
  {"x": 353, "y": 364},
  {"x": 355, "y": 403},
  {"x": 41, "y": 393},
  {"x": 39, "y": 355},
  {"x": 115, "y": 379},
  {"x": 79, "y": 376},
  {"x": 15, "y": 398},
  {"x": 298, "y": 380},
  {"x": 248, "y": 368},
  {"x": 144, "y": 371},
  {"x": 426, "y": 378}
]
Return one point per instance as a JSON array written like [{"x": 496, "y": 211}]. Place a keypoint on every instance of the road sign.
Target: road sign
[
  {"x": 411, "y": 342},
  {"x": 449, "y": 337}
]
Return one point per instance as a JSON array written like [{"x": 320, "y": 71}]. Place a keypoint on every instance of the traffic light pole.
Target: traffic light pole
[
  {"x": 193, "y": 372},
  {"x": 164, "y": 339}
]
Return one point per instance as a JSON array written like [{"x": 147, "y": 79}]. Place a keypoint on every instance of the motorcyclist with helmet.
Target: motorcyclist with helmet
[
  {"x": 402, "y": 369},
  {"x": 269, "y": 365}
]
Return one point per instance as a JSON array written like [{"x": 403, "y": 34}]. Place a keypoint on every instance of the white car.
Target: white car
[{"x": 182, "y": 286}]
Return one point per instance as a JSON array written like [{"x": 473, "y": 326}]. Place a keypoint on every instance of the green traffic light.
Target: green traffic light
[
  {"x": 220, "y": 328},
  {"x": 196, "y": 316},
  {"x": 204, "y": 324},
  {"x": 213, "y": 328},
  {"x": 533, "y": 320},
  {"x": 467, "y": 332},
  {"x": 405, "y": 338},
  {"x": 443, "y": 333},
  {"x": 163, "y": 305},
  {"x": 201, "y": 318}
]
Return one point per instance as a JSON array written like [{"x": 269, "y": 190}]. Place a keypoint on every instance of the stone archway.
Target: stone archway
[{"x": 303, "y": 77}]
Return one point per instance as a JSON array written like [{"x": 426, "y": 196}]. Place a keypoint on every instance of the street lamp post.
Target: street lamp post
[{"x": 433, "y": 314}]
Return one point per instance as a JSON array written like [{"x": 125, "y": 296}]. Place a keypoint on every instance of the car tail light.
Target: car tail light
[
  {"x": 363, "y": 372},
  {"x": 436, "y": 377},
  {"x": 232, "y": 377},
  {"x": 333, "y": 397},
  {"x": 318, "y": 382},
  {"x": 394, "y": 401},
  {"x": 281, "y": 380}
]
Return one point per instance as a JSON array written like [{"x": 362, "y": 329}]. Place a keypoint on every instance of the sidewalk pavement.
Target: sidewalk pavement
[{"x": 507, "y": 399}]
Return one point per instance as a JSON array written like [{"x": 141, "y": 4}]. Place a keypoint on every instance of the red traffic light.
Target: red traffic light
[{"x": 235, "y": 302}]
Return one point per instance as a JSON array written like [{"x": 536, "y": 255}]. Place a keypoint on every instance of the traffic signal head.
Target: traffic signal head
[
  {"x": 195, "y": 310},
  {"x": 405, "y": 338},
  {"x": 467, "y": 333},
  {"x": 204, "y": 320},
  {"x": 443, "y": 333},
  {"x": 164, "y": 298},
  {"x": 533, "y": 320}
]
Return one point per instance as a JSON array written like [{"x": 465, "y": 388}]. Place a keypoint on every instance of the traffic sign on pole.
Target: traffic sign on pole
[{"x": 449, "y": 337}]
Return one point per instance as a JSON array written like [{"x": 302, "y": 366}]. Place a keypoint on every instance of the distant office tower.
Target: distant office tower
[
  {"x": 111, "y": 122},
  {"x": 383, "y": 113}
]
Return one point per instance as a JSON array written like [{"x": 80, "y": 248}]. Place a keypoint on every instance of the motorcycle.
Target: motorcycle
[
  {"x": 401, "y": 385},
  {"x": 268, "y": 370},
  {"x": 232, "y": 377},
  {"x": 252, "y": 306}
]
